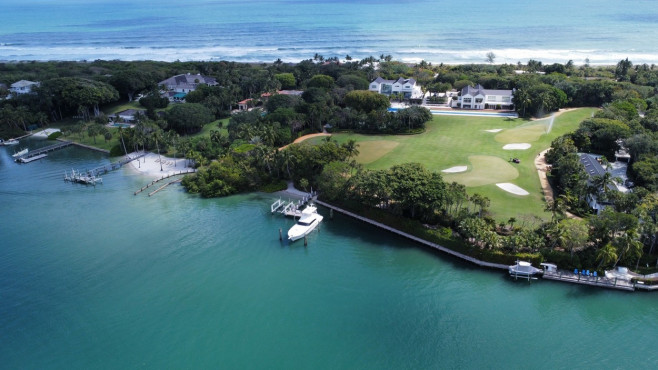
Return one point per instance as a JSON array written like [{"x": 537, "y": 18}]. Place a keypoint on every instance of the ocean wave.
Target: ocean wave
[{"x": 295, "y": 54}]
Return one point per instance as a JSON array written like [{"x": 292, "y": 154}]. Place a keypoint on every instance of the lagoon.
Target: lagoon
[{"x": 97, "y": 277}]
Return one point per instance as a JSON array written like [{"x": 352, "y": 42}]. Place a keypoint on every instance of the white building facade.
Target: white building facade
[
  {"x": 480, "y": 98},
  {"x": 404, "y": 86},
  {"x": 22, "y": 87}
]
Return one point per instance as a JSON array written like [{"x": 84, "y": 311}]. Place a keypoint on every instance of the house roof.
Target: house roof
[
  {"x": 23, "y": 83},
  {"x": 593, "y": 168},
  {"x": 188, "y": 81},
  {"x": 400, "y": 80},
  {"x": 479, "y": 90},
  {"x": 290, "y": 92},
  {"x": 244, "y": 101}
]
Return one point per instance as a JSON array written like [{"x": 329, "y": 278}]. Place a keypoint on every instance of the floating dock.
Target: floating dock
[
  {"x": 27, "y": 158},
  {"x": 290, "y": 209},
  {"x": 82, "y": 178},
  {"x": 599, "y": 281},
  {"x": 31, "y": 159}
]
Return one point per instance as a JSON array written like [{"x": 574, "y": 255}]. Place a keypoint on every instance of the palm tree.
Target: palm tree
[
  {"x": 287, "y": 160},
  {"x": 351, "y": 147},
  {"x": 215, "y": 136},
  {"x": 157, "y": 134},
  {"x": 606, "y": 255},
  {"x": 122, "y": 142},
  {"x": 557, "y": 207},
  {"x": 628, "y": 244}
]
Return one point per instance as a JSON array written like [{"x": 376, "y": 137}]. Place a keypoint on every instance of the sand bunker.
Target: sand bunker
[
  {"x": 517, "y": 146},
  {"x": 511, "y": 188},
  {"x": 455, "y": 169},
  {"x": 494, "y": 130}
]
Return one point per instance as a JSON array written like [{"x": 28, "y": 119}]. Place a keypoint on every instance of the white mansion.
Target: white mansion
[
  {"x": 405, "y": 86},
  {"x": 480, "y": 98},
  {"x": 176, "y": 87}
]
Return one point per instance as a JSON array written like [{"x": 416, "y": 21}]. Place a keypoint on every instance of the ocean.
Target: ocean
[
  {"x": 602, "y": 31},
  {"x": 96, "y": 277}
]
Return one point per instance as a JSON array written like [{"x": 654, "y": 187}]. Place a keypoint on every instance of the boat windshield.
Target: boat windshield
[{"x": 304, "y": 223}]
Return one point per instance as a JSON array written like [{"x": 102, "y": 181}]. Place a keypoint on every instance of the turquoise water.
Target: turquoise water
[
  {"x": 95, "y": 277},
  {"x": 605, "y": 31}
]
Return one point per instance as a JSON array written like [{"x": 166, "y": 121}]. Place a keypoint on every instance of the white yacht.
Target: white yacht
[
  {"x": 10, "y": 142},
  {"x": 20, "y": 153},
  {"x": 523, "y": 269},
  {"x": 308, "y": 221}
]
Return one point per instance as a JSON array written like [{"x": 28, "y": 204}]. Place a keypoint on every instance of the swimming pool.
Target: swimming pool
[{"x": 124, "y": 125}]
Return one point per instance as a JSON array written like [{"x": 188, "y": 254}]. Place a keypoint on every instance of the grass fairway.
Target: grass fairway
[
  {"x": 484, "y": 170},
  {"x": 373, "y": 150},
  {"x": 526, "y": 133},
  {"x": 463, "y": 141}
]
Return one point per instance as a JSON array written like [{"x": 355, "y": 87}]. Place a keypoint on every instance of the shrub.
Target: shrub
[
  {"x": 54, "y": 135},
  {"x": 274, "y": 186}
]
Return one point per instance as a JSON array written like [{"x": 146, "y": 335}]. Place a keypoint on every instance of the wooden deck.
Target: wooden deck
[
  {"x": 599, "y": 281},
  {"x": 416, "y": 239},
  {"x": 37, "y": 152},
  {"x": 182, "y": 172}
]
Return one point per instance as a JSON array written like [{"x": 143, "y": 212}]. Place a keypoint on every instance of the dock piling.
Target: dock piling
[{"x": 280, "y": 235}]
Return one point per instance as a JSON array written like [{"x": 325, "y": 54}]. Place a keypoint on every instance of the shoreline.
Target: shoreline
[{"x": 562, "y": 276}]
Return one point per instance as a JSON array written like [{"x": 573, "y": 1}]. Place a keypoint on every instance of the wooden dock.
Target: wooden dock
[
  {"x": 164, "y": 186},
  {"x": 598, "y": 281},
  {"x": 417, "y": 239},
  {"x": 25, "y": 158},
  {"x": 31, "y": 159},
  {"x": 114, "y": 165},
  {"x": 181, "y": 172}
]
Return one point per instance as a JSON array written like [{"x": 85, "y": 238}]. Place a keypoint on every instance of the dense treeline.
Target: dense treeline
[{"x": 626, "y": 230}]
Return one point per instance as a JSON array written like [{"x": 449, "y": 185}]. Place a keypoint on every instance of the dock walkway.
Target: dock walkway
[
  {"x": 599, "y": 281},
  {"x": 182, "y": 172},
  {"x": 416, "y": 239},
  {"x": 114, "y": 165},
  {"x": 62, "y": 144}
]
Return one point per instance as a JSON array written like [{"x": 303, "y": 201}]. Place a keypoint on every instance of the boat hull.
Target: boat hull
[{"x": 297, "y": 232}]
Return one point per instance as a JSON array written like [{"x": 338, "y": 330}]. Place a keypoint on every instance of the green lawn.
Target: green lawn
[
  {"x": 121, "y": 106},
  {"x": 462, "y": 141},
  {"x": 214, "y": 125},
  {"x": 83, "y": 138}
]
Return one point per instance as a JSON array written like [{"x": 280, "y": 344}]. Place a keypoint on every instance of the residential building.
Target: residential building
[
  {"x": 183, "y": 84},
  {"x": 480, "y": 98},
  {"x": 405, "y": 86},
  {"x": 594, "y": 169},
  {"x": 245, "y": 104},
  {"x": 22, "y": 87}
]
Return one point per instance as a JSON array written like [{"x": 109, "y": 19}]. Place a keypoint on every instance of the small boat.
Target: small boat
[
  {"x": 10, "y": 142},
  {"x": 308, "y": 221},
  {"x": 20, "y": 153},
  {"x": 523, "y": 269}
]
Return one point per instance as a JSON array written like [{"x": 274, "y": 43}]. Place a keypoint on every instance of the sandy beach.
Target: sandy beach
[{"x": 156, "y": 166}]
